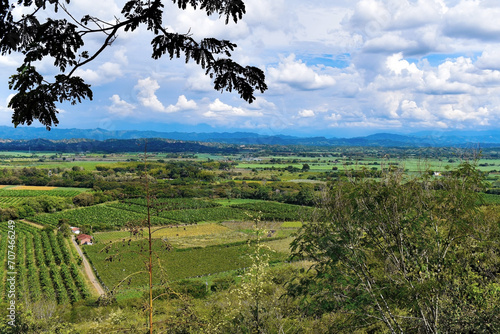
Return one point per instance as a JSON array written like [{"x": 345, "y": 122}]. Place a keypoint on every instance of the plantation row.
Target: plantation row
[
  {"x": 10, "y": 201},
  {"x": 188, "y": 216},
  {"x": 123, "y": 259},
  {"x": 208, "y": 214},
  {"x": 44, "y": 265},
  {"x": 98, "y": 217},
  {"x": 117, "y": 215},
  {"x": 58, "y": 192},
  {"x": 269, "y": 210},
  {"x": 168, "y": 204}
]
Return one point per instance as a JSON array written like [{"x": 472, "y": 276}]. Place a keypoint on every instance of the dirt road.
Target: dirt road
[{"x": 88, "y": 270}]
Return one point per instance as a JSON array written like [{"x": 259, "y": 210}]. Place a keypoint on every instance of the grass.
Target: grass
[
  {"x": 234, "y": 201},
  {"x": 281, "y": 245},
  {"x": 291, "y": 224}
]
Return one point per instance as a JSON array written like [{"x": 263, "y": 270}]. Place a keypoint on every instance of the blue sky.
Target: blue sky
[{"x": 334, "y": 68}]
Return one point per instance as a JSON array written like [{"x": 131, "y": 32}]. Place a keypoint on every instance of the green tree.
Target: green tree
[
  {"x": 64, "y": 228},
  {"x": 404, "y": 255},
  {"x": 84, "y": 199},
  {"x": 61, "y": 37}
]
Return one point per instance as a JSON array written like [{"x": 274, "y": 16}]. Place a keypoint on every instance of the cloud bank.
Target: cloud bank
[{"x": 331, "y": 67}]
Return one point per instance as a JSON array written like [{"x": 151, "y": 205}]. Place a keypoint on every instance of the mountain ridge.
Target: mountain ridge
[{"x": 421, "y": 139}]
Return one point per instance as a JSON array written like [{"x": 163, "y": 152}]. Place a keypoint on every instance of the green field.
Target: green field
[{"x": 122, "y": 259}]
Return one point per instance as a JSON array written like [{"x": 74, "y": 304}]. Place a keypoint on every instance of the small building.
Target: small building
[
  {"x": 75, "y": 230},
  {"x": 84, "y": 239}
]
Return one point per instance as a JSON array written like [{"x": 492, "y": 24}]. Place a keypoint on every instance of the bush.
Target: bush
[
  {"x": 83, "y": 199},
  {"x": 193, "y": 288},
  {"x": 222, "y": 283}
]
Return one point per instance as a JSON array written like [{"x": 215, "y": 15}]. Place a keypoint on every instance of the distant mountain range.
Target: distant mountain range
[
  {"x": 422, "y": 139},
  {"x": 113, "y": 146}
]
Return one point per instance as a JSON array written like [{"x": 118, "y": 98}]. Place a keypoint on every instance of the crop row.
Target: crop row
[
  {"x": 186, "y": 216},
  {"x": 142, "y": 210},
  {"x": 46, "y": 283},
  {"x": 33, "y": 279},
  {"x": 6, "y": 244},
  {"x": 71, "y": 288},
  {"x": 19, "y": 226},
  {"x": 47, "y": 249},
  {"x": 193, "y": 210},
  {"x": 10, "y": 201},
  {"x": 167, "y": 204},
  {"x": 60, "y": 289},
  {"x": 207, "y": 214},
  {"x": 79, "y": 280},
  {"x": 177, "y": 264},
  {"x": 20, "y": 266},
  {"x": 59, "y": 192},
  {"x": 45, "y": 268},
  {"x": 98, "y": 217},
  {"x": 116, "y": 215}
]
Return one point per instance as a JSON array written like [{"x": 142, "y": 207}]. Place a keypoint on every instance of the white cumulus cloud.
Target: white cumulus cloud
[
  {"x": 120, "y": 107},
  {"x": 296, "y": 74},
  {"x": 147, "y": 94},
  {"x": 105, "y": 73},
  {"x": 182, "y": 104},
  {"x": 225, "y": 113},
  {"x": 306, "y": 113}
]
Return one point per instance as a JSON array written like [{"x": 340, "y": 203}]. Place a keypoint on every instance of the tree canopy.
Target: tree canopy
[
  {"x": 62, "y": 39},
  {"x": 404, "y": 255}
]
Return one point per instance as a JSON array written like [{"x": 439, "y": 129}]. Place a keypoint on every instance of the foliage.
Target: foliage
[
  {"x": 222, "y": 283},
  {"x": 252, "y": 289},
  {"x": 62, "y": 39},
  {"x": 414, "y": 254},
  {"x": 195, "y": 288},
  {"x": 83, "y": 199}
]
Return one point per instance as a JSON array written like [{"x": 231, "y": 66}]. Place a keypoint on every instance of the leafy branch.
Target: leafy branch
[{"x": 62, "y": 40}]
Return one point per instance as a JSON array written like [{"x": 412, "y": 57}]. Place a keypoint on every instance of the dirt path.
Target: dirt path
[
  {"x": 88, "y": 270},
  {"x": 32, "y": 224}
]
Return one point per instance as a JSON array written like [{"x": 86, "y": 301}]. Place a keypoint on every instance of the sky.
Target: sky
[{"x": 334, "y": 68}]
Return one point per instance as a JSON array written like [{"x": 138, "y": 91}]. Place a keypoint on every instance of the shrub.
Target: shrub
[{"x": 222, "y": 283}]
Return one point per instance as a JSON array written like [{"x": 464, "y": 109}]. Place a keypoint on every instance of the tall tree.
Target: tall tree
[
  {"x": 41, "y": 34},
  {"x": 404, "y": 255}
]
